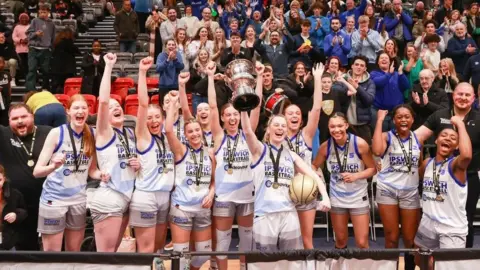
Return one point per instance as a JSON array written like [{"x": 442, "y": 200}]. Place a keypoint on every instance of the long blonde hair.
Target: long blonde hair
[
  {"x": 451, "y": 68},
  {"x": 266, "y": 137},
  {"x": 223, "y": 40}
]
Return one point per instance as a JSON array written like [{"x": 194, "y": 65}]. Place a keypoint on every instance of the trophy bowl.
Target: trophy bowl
[{"x": 242, "y": 83}]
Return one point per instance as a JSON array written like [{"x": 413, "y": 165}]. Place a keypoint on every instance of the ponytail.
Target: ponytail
[{"x": 89, "y": 141}]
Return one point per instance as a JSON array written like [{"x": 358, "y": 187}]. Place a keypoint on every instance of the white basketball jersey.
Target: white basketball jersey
[
  {"x": 185, "y": 195},
  {"x": 267, "y": 198},
  {"x": 66, "y": 185},
  {"x": 451, "y": 211},
  {"x": 153, "y": 176},
  {"x": 113, "y": 158},
  {"x": 395, "y": 173},
  {"x": 238, "y": 186},
  {"x": 342, "y": 194},
  {"x": 178, "y": 129},
  {"x": 208, "y": 139},
  {"x": 298, "y": 141}
]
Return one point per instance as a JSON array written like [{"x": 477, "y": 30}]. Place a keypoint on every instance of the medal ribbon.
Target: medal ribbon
[
  {"x": 230, "y": 151},
  {"x": 76, "y": 157},
  {"x": 162, "y": 150},
  {"x": 29, "y": 153},
  {"x": 343, "y": 167},
  {"x": 124, "y": 140},
  {"x": 436, "y": 176},
  {"x": 276, "y": 162},
  {"x": 297, "y": 143},
  {"x": 199, "y": 167},
  {"x": 408, "y": 159}
]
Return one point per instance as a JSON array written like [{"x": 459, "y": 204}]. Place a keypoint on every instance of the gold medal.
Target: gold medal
[
  {"x": 230, "y": 171},
  {"x": 276, "y": 185},
  {"x": 439, "y": 198},
  {"x": 30, "y": 163}
]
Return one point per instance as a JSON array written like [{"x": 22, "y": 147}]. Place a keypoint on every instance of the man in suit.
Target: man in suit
[{"x": 168, "y": 27}]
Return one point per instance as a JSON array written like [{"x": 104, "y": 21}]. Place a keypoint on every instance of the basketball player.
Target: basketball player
[
  {"x": 192, "y": 197},
  {"x": 154, "y": 182},
  {"x": 203, "y": 110},
  {"x": 116, "y": 154},
  {"x": 276, "y": 224},
  {"x": 300, "y": 140},
  {"x": 397, "y": 182},
  {"x": 234, "y": 191},
  {"x": 444, "y": 221},
  {"x": 350, "y": 163},
  {"x": 66, "y": 161}
]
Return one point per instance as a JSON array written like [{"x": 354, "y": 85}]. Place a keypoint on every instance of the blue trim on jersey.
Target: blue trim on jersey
[
  {"x": 108, "y": 144},
  {"x": 60, "y": 139},
  {"x": 78, "y": 135},
  {"x": 418, "y": 143},
  {"x": 355, "y": 146},
  {"x": 243, "y": 134},
  {"x": 221, "y": 145},
  {"x": 148, "y": 148},
  {"x": 389, "y": 141},
  {"x": 261, "y": 157},
  {"x": 450, "y": 171},
  {"x": 183, "y": 158},
  {"x": 329, "y": 144}
]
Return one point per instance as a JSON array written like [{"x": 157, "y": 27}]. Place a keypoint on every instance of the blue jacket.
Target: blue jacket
[
  {"x": 391, "y": 23},
  {"x": 321, "y": 32},
  {"x": 206, "y": 5},
  {"x": 456, "y": 49},
  {"x": 368, "y": 47},
  {"x": 144, "y": 6},
  {"x": 357, "y": 12},
  {"x": 389, "y": 89},
  {"x": 197, "y": 7},
  {"x": 338, "y": 50},
  {"x": 169, "y": 70},
  {"x": 307, "y": 58}
]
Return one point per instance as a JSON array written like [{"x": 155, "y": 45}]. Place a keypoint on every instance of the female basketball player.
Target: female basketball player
[
  {"x": 274, "y": 166},
  {"x": 444, "y": 220},
  {"x": 299, "y": 140},
  {"x": 194, "y": 187},
  {"x": 350, "y": 163},
  {"x": 151, "y": 198},
  {"x": 203, "y": 110},
  {"x": 116, "y": 155},
  {"x": 397, "y": 182},
  {"x": 233, "y": 177},
  {"x": 66, "y": 161}
]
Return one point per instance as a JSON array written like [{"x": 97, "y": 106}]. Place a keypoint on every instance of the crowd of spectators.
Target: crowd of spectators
[{"x": 377, "y": 54}]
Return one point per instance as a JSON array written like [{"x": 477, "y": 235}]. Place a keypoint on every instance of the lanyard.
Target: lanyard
[
  {"x": 162, "y": 150},
  {"x": 230, "y": 151},
  {"x": 276, "y": 164},
  {"x": 199, "y": 167},
  {"x": 124, "y": 140},
  {"x": 77, "y": 158},
  {"x": 297, "y": 143},
  {"x": 205, "y": 142},
  {"x": 436, "y": 178},
  {"x": 30, "y": 162},
  {"x": 343, "y": 167},
  {"x": 408, "y": 159}
]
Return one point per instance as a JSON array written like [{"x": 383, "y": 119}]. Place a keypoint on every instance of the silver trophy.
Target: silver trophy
[{"x": 241, "y": 81}]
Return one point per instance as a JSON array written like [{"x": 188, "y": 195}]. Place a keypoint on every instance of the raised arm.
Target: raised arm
[
  {"x": 314, "y": 115},
  {"x": 44, "y": 167},
  {"x": 379, "y": 141},
  {"x": 255, "y": 113},
  {"x": 254, "y": 145},
  {"x": 182, "y": 92},
  {"x": 178, "y": 148},
  {"x": 460, "y": 164},
  {"x": 217, "y": 130},
  {"x": 141, "y": 129},
  {"x": 103, "y": 125}
]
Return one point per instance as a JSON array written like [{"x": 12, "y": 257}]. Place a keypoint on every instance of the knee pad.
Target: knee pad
[
  {"x": 246, "y": 238},
  {"x": 198, "y": 261},
  {"x": 223, "y": 241},
  {"x": 182, "y": 247}
]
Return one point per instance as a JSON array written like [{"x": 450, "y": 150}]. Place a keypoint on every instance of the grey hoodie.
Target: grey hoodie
[{"x": 48, "y": 28}]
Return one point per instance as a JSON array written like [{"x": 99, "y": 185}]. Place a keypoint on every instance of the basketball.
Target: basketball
[{"x": 303, "y": 189}]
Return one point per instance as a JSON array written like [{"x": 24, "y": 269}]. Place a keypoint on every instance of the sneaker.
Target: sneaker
[
  {"x": 169, "y": 246},
  {"x": 12, "y": 83},
  {"x": 159, "y": 264}
]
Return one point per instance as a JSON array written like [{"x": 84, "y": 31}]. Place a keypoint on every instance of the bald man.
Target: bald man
[{"x": 463, "y": 98}]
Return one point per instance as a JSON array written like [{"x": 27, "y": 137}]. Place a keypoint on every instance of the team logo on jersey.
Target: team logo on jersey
[
  {"x": 147, "y": 215},
  {"x": 189, "y": 182},
  {"x": 51, "y": 222},
  {"x": 160, "y": 170},
  {"x": 268, "y": 183},
  {"x": 351, "y": 155},
  {"x": 327, "y": 106},
  {"x": 123, "y": 165},
  {"x": 288, "y": 159},
  {"x": 67, "y": 172}
]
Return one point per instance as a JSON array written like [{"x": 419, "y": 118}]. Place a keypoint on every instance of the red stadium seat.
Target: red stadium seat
[
  {"x": 152, "y": 82},
  {"x": 92, "y": 103},
  {"x": 72, "y": 86},
  {"x": 64, "y": 99},
  {"x": 121, "y": 85},
  {"x": 154, "y": 99},
  {"x": 131, "y": 104}
]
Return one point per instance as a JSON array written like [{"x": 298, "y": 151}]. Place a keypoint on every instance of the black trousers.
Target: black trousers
[
  {"x": 28, "y": 236},
  {"x": 471, "y": 207}
]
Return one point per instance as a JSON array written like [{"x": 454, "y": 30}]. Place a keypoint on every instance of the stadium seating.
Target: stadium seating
[
  {"x": 131, "y": 104},
  {"x": 121, "y": 85},
  {"x": 64, "y": 99},
  {"x": 155, "y": 99},
  {"x": 72, "y": 86},
  {"x": 117, "y": 98},
  {"x": 92, "y": 103}
]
